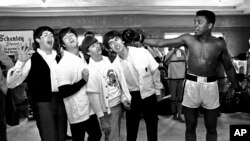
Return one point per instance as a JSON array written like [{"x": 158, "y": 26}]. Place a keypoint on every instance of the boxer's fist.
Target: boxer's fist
[{"x": 128, "y": 35}]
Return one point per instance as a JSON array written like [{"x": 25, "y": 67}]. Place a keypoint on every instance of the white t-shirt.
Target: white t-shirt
[
  {"x": 107, "y": 72},
  {"x": 70, "y": 70},
  {"x": 131, "y": 74}
]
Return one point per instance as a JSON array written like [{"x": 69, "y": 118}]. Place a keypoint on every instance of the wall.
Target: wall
[{"x": 236, "y": 28}]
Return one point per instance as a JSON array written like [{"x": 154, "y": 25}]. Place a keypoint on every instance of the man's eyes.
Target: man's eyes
[{"x": 48, "y": 35}]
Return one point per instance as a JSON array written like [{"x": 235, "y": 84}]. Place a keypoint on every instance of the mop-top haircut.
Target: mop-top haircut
[
  {"x": 63, "y": 32},
  {"x": 38, "y": 32}
]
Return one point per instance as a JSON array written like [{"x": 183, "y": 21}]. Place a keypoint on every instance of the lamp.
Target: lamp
[{"x": 220, "y": 2}]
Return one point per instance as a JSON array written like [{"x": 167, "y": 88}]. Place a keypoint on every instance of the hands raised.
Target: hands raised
[{"x": 24, "y": 53}]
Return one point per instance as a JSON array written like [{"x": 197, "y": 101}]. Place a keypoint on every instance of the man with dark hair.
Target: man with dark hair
[
  {"x": 143, "y": 79},
  {"x": 107, "y": 89},
  {"x": 209, "y": 15},
  {"x": 206, "y": 53},
  {"x": 62, "y": 33},
  {"x": 39, "y": 69},
  {"x": 72, "y": 78}
]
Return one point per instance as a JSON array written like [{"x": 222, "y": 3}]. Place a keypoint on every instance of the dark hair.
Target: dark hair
[
  {"x": 221, "y": 38},
  {"x": 209, "y": 15},
  {"x": 38, "y": 32},
  {"x": 86, "y": 43},
  {"x": 63, "y": 32},
  {"x": 110, "y": 35},
  {"x": 89, "y": 33}
]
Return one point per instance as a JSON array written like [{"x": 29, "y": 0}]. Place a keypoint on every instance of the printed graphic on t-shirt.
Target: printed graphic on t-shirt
[{"x": 112, "y": 78}]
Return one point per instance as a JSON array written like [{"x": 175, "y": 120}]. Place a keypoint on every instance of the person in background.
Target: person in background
[
  {"x": 89, "y": 33},
  {"x": 155, "y": 53},
  {"x": 176, "y": 60},
  {"x": 143, "y": 80},
  {"x": 38, "y": 68},
  {"x": 72, "y": 79},
  {"x": 5, "y": 64},
  {"x": 107, "y": 89},
  {"x": 206, "y": 53}
]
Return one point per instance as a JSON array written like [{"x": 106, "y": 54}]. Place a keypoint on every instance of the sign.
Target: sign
[
  {"x": 239, "y": 132},
  {"x": 10, "y": 40}
]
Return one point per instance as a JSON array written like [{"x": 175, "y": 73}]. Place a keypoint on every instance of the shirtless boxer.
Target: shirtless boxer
[{"x": 206, "y": 53}]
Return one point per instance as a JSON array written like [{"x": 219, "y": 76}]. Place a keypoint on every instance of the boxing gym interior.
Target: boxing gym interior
[{"x": 157, "y": 19}]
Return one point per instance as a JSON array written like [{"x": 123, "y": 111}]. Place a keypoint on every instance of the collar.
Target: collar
[{"x": 44, "y": 55}]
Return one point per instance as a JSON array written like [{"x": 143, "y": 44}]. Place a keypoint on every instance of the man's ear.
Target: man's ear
[
  {"x": 38, "y": 40},
  {"x": 63, "y": 46},
  {"x": 210, "y": 25}
]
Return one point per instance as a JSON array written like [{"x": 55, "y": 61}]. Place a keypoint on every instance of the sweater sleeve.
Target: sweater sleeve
[
  {"x": 70, "y": 89},
  {"x": 95, "y": 102}
]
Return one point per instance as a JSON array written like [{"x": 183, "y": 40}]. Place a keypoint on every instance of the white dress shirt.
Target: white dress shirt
[{"x": 20, "y": 71}]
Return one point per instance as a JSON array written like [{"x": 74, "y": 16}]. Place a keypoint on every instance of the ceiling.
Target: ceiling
[{"x": 30, "y": 8}]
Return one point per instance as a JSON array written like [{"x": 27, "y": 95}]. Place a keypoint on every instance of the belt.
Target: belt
[{"x": 200, "y": 78}]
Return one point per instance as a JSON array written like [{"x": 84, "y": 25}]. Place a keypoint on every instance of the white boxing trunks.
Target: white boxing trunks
[{"x": 201, "y": 91}]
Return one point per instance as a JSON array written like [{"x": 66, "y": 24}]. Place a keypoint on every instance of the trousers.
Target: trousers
[
  {"x": 3, "y": 136},
  {"x": 51, "y": 119},
  {"x": 142, "y": 107}
]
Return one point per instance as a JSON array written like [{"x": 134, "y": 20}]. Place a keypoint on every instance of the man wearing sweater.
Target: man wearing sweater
[
  {"x": 72, "y": 77},
  {"x": 38, "y": 68}
]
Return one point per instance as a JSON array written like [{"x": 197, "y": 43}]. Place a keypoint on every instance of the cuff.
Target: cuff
[
  {"x": 100, "y": 114},
  {"x": 19, "y": 64}
]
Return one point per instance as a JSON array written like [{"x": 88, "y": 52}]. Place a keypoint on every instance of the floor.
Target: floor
[{"x": 168, "y": 130}]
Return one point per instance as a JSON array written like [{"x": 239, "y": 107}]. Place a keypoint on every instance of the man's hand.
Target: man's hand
[
  {"x": 159, "y": 98},
  {"x": 24, "y": 53},
  {"x": 85, "y": 74},
  {"x": 127, "y": 105},
  {"x": 105, "y": 126}
]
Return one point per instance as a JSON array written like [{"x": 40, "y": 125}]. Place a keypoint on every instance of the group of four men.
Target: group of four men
[{"x": 92, "y": 93}]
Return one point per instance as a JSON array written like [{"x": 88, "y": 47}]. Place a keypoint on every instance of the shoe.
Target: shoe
[
  {"x": 180, "y": 119},
  {"x": 175, "y": 117},
  {"x": 219, "y": 114},
  {"x": 68, "y": 137}
]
